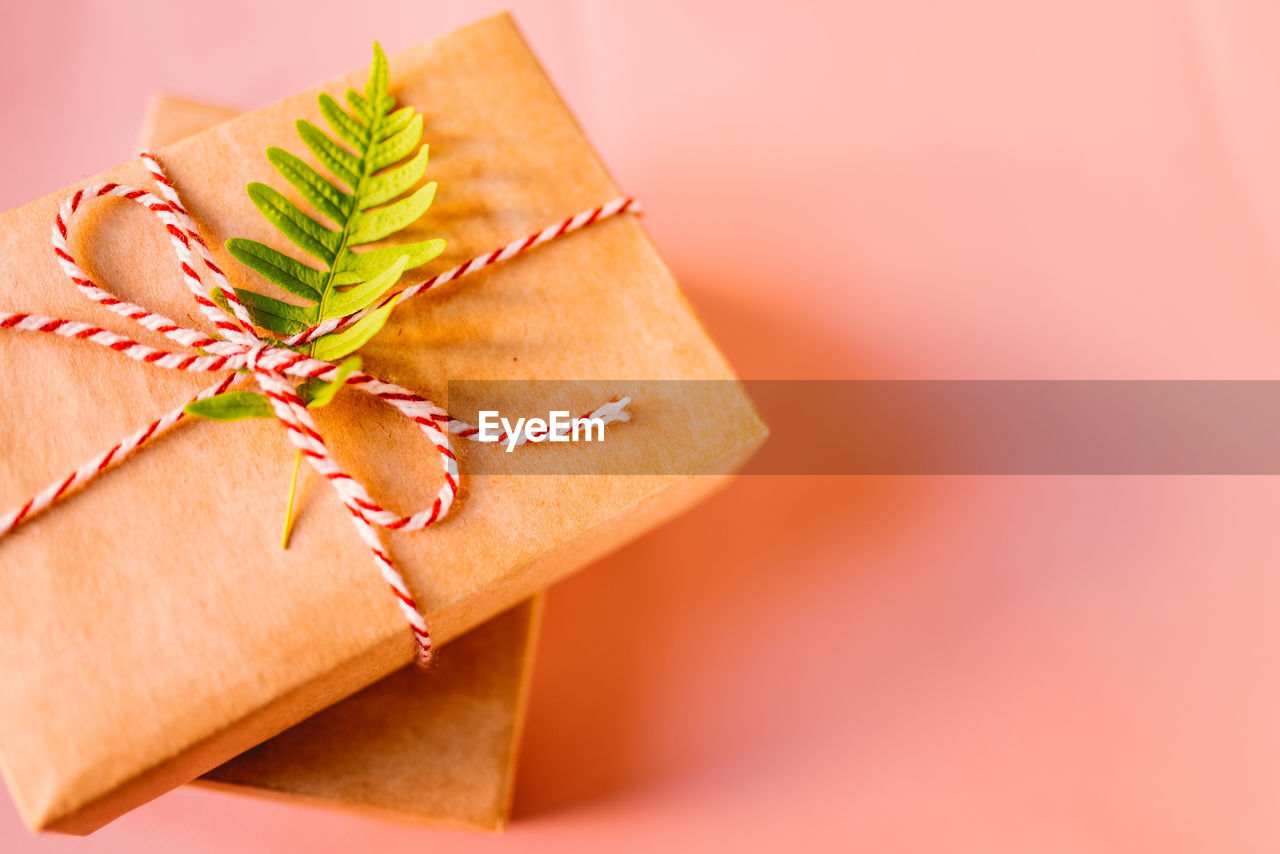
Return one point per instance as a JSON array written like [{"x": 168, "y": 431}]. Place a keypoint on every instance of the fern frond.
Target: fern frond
[
  {"x": 365, "y": 198},
  {"x": 369, "y": 200}
]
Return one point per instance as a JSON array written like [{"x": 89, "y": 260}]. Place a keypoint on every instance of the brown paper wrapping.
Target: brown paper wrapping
[
  {"x": 435, "y": 747},
  {"x": 153, "y": 628}
]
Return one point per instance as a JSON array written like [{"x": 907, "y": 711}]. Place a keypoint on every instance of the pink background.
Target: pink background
[{"x": 856, "y": 189}]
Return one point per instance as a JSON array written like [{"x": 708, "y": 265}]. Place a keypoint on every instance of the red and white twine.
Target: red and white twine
[{"x": 273, "y": 368}]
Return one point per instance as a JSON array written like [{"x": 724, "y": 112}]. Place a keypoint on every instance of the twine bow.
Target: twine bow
[{"x": 272, "y": 365}]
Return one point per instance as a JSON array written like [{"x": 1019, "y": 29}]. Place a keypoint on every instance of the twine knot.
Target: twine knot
[{"x": 251, "y": 356}]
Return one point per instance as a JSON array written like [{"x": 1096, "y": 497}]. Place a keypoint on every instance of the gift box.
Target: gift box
[
  {"x": 153, "y": 626},
  {"x": 436, "y": 747}
]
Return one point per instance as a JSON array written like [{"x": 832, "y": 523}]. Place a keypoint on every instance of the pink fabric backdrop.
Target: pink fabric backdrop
[{"x": 856, "y": 189}]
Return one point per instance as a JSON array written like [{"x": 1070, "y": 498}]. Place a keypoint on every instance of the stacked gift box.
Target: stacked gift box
[{"x": 156, "y": 633}]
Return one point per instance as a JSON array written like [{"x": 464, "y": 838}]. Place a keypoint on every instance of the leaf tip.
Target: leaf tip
[
  {"x": 377, "y": 85},
  {"x": 257, "y": 191}
]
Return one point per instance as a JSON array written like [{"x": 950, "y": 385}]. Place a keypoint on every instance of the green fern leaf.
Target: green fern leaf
[
  {"x": 359, "y": 105},
  {"x": 395, "y": 123},
  {"x": 280, "y": 317},
  {"x": 305, "y": 233},
  {"x": 370, "y": 205},
  {"x": 262, "y": 313},
  {"x": 366, "y": 197},
  {"x": 393, "y": 182},
  {"x": 352, "y": 132},
  {"x": 373, "y": 225},
  {"x": 397, "y": 146},
  {"x": 379, "y": 81},
  {"x": 230, "y": 406},
  {"x": 355, "y": 336},
  {"x": 365, "y": 264},
  {"x": 332, "y": 156},
  {"x": 292, "y": 275},
  {"x": 363, "y": 295},
  {"x": 322, "y": 195},
  {"x": 379, "y": 200},
  {"x": 318, "y": 393}
]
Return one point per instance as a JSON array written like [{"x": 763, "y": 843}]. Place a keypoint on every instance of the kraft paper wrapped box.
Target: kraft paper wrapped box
[
  {"x": 434, "y": 747},
  {"x": 151, "y": 628}
]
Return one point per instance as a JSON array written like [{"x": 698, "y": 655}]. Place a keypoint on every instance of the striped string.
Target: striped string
[{"x": 275, "y": 370}]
